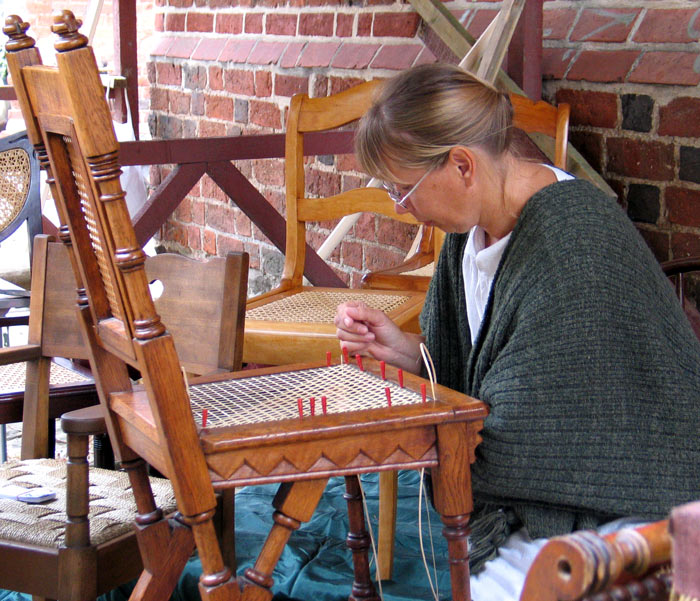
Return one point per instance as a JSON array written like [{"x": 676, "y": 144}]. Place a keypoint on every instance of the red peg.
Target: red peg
[
  {"x": 300, "y": 405},
  {"x": 345, "y": 355},
  {"x": 388, "y": 396},
  {"x": 382, "y": 367},
  {"x": 328, "y": 358},
  {"x": 401, "y": 378},
  {"x": 312, "y": 405},
  {"x": 323, "y": 405},
  {"x": 358, "y": 358},
  {"x": 422, "y": 390},
  {"x": 204, "y": 418}
]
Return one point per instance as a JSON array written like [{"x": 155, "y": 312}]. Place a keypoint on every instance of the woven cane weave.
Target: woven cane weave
[
  {"x": 112, "y": 506},
  {"x": 274, "y": 397},
  {"x": 13, "y": 376},
  {"x": 15, "y": 177},
  {"x": 320, "y": 307}
]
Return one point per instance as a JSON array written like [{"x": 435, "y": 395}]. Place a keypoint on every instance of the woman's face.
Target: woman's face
[{"x": 445, "y": 198}]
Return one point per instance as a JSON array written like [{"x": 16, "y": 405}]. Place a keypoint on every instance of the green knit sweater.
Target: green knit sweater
[{"x": 588, "y": 364}]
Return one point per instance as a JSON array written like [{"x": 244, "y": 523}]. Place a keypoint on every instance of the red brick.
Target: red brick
[
  {"x": 604, "y": 25},
  {"x": 598, "y": 109},
  {"x": 211, "y": 191},
  {"x": 658, "y": 242},
  {"x": 480, "y": 20},
  {"x": 269, "y": 172},
  {"x": 242, "y": 223},
  {"x": 381, "y": 258},
  {"x": 351, "y": 253},
  {"x": 236, "y": 51},
  {"x": 203, "y": 22},
  {"x": 198, "y": 212},
  {"x": 555, "y": 62},
  {"x": 322, "y": 183},
  {"x": 350, "y": 182},
  {"x": 162, "y": 46},
  {"x": 680, "y": 117},
  {"x": 672, "y": 68},
  {"x": 399, "y": 57},
  {"x": 253, "y": 23},
  {"x": 276, "y": 24},
  {"x": 602, "y": 65},
  {"x": 208, "y": 49},
  {"x": 209, "y": 242},
  {"x": 265, "y": 114},
  {"x": 219, "y": 107},
  {"x": 288, "y": 85},
  {"x": 266, "y": 53},
  {"x": 226, "y": 23},
  {"x": 395, "y": 233},
  {"x": 343, "y": 25},
  {"x": 425, "y": 57},
  {"x": 220, "y": 217},
  {"x": 318, "y": 54},
  {"x": 669, "y": 25},
  {"x": 227, "y": 244},
  {"x": 402, "y": 25},
  {"x": 683, "y": 206},
  {"x": 354, "y": 56},
  {"x": 179, "y": 102},
  {"x": 263, "y": 84},
  {"x": 636, "y": 158},
  {"x": 338, "y": 84},
  {"x": 216, "y": 78},
  {"x": 184, "y": 210},
  {"x": 168, "y": 74},
  {"x": 590, "y": 145},
  {"x": 685, "y": 245},
  {"x": 194, "y": 237},
  {"x": 316, "y": 24},
  {"x": 183, "y": 47},
  {"x": 291, "y": 55},
  {"x": 320, "y": 87},
  {"x": 180, "y": 3},
  {"x": 364, "y": 24},
  {"x": 211, "y": 129},
  {"x": 159, "y": 99},
  {"x": 159, "y": 23},
  {"x": 556, "y": 23},
  {"x": 175, "y": 22},
  {"x": 366, "y": 227},
  {"x": 239, "y": 82},
  {"x": 347, "y": 162}
]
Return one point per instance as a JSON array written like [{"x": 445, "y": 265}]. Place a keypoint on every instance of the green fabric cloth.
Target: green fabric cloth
[{"x": 587, "y": 362}]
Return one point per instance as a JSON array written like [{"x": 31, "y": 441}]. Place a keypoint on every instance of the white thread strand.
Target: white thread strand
[
  {"x": 420, "y": 539},
  {"x": 371, "y": 534}
]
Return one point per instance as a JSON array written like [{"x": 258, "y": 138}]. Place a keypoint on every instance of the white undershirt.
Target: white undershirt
[{"x": 479, "y": 264}]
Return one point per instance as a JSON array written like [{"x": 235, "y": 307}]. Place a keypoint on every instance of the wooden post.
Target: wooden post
[
  {"x": 125, "y": 59},
  {"x": 524, "y": 59}
]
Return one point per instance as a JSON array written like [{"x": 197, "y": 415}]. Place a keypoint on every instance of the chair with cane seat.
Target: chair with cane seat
[
  {"x": 161, "y": 422},
  {"x": 548, "y": 124},
  {"x": 295, "y": 322}
]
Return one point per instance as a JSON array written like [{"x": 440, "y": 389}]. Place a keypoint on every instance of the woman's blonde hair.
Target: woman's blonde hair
[{"x": 423, "y": 112}]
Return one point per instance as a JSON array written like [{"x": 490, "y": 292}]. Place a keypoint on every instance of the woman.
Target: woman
[{"x": 546, "y": 304}]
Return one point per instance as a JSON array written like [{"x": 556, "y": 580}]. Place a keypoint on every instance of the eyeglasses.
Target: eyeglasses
[{"x": 396, "y": 196}]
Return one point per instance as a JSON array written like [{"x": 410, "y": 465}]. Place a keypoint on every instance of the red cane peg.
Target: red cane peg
[
  {"x": 300, "y": 406},
  {"x": 422, "y": 390},
  {"x": 401, "y": 378},
  {"x": 358, "y": 358},
  {"x": 323, "y": 405},
  {"x": 328, "y": 358},
  {"x": 204, "y": 418},
  {"x": 382, "y": 367},
  {"x": 312, "y": 406},
  {"x": 345, "y": 355},
  {"x": 388, "y": 396}
]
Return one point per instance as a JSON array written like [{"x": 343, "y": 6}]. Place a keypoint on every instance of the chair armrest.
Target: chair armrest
[
  {"x": 20, "y": 353},
  {"x": 84, "y": 422}
]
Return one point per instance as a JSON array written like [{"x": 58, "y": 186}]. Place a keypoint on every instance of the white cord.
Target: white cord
[{"x": 371, "y": 534}]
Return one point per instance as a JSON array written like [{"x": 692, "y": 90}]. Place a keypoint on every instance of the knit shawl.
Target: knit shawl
[{"x": 587, "y": 362}]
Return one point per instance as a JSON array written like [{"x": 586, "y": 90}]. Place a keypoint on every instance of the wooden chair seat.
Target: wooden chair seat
[{"x": 112, "y": 506}]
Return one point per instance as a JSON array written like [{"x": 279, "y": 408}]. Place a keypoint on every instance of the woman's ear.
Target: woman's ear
[{"x": 463, "y": 159}]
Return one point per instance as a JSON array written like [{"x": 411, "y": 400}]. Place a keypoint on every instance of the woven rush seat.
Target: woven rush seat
[
  {"x": 112, "y": 506},
  {"x": 13, "y": 376},
  {"x": 311, "y": 306}
]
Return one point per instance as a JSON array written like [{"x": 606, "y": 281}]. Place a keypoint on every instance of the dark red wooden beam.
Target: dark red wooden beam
[
  {"x": 524, "y": 59},
  {"x": 126, "y": 58}
]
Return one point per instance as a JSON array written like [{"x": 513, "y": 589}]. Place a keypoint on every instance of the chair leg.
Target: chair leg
[
  {"x": 358, "y": 542},
  {"x": 388, "y": 487},
  {"x": 165, "y": 545},
  {"x": 295, "y": 503}
]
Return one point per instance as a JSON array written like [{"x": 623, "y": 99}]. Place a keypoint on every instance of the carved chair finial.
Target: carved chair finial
[
  {"x": 16, "y": 30},
  {"x": 66, "y": 26}
]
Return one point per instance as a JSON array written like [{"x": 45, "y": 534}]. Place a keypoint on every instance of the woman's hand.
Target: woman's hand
[{"x": 367, "y": 331}]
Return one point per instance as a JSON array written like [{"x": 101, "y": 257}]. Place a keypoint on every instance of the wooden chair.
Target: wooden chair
[
  {"x": 295, "y": 322},
  {"x": 245, "y": 440},
  {"x": 537, "y": 119}
]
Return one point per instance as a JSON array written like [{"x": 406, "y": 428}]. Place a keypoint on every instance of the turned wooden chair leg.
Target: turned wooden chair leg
[
  {"x": 295, "y": 503},
  {"x": 358, "y": 541},
  {"x": 388, "y": 487}
]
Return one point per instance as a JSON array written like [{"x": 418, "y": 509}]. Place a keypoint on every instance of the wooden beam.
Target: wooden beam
[
  {"x": 524, "y": 59},
  {"x": 126, "y": 58}
]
